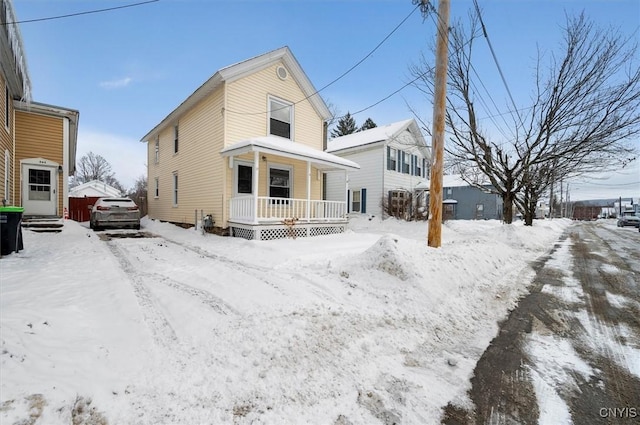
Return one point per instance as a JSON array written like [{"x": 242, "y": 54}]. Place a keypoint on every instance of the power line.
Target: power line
[
  {"x": 344, "y": 73},
  {"x": 495, "y": 59},
  {"x": 50, "y": 18}
]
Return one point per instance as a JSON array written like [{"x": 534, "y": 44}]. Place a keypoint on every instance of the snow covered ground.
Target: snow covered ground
[{"x": 370, "y": 326}]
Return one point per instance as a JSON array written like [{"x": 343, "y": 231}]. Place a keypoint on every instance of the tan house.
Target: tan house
[
  {"x": 247, "y": 148},
  {"x": 38, "y": 141}
]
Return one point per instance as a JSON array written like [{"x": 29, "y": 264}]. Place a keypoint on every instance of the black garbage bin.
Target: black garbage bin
[{"x": 10, "y": 230}]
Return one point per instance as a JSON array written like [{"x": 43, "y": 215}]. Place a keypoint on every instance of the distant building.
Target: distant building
[{"x": 461, "y": 201}]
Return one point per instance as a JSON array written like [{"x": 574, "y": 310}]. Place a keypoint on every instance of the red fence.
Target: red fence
[{"x": 79, "y": 208}]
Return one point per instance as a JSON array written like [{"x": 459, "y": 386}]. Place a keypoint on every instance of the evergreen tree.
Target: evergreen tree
[
  {"x": 368, "y": 124},
  {"x": 346, "y": 125}
]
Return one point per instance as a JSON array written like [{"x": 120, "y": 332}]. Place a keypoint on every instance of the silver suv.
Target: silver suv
[{"x": 114, "y": 213}]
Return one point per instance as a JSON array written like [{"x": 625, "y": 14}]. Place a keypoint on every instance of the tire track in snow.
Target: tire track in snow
[
  {"x": 260, "y": 272},
  {"x": 161, "y": 330}
]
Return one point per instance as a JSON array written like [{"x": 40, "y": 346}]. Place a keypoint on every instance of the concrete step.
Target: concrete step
[{"x": 43, "y": 224}]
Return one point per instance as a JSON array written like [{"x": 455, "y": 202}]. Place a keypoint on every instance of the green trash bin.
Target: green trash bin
[{"x": 10, "y": 230}]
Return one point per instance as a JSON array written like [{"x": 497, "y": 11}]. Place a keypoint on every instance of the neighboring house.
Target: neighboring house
[
  {"x": 465, "y": 202},
  {"x": 394, "y": 161},
  {"x": 38, "y": 141},
  {"x": 247, "y": 148},
  {"x": 93, "y": 189}
]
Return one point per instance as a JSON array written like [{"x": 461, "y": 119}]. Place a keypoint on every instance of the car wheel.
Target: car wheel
[
  {"x": 91, "y": 226},
  {"x": 137, "y": 227}
]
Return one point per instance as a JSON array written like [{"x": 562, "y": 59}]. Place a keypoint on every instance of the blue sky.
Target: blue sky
[{"x": 126, "y": 69}]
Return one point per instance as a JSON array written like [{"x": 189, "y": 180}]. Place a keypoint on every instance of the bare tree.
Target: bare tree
[
  {"x": 584, "y": 113},
  {"x": 139, "y": 194},
  {"x": 95, "y": 167}
]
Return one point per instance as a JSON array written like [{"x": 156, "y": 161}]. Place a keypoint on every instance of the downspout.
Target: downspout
[
  {"x": 13, "y": 157},
  {"x": 65, "y": 164}
]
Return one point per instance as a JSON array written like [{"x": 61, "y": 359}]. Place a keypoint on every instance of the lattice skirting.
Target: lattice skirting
[{"x": 270, "y": 232}]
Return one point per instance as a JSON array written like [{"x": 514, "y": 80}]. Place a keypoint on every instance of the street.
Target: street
[{"x": 570, "y": 351}]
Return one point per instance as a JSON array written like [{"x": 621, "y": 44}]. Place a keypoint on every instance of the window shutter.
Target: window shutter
[
  {"x": 363, "y": 200},
  {"x": 388, "y": 157},
  {"x": 348, "y": 201}
]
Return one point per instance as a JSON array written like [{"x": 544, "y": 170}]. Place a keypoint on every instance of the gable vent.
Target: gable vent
[{"x": 282, "y": 73}]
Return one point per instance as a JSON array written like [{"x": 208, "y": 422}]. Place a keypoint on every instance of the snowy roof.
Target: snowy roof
[
  {"x": 242, "y": 69},
  {"x": 373, "y": 135},
  {"x": 93, "y": 188},
  {"x": 287, "y": 148}
]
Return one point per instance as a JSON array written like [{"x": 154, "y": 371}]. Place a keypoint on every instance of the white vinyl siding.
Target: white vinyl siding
[
  {"x": 372, "y": 163},
  {"x": 252, "y": 93}
]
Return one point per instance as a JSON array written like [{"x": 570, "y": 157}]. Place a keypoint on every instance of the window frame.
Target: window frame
[
  {"x": 280, "y": 167},
  {"x": 354, "y": 202},
  {"x": 406, "y": 163},
  {"x": 175, "y": 188},
  {"x": 392, "y": 158},
  {"x": 157, "y": 150},
  {"x": 283, "y": 103},
  {"x": 157, "y": 188},
  {"x": 176, "y": 133},
  {"x": 236, "y": 175}
]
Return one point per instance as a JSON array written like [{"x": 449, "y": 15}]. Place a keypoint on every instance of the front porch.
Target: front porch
[
  {"x": 268, "y": 217},
  {"x": 276, "y": 190}
]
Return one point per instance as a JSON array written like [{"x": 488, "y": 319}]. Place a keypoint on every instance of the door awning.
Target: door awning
[{"x": 289, "y": 149}]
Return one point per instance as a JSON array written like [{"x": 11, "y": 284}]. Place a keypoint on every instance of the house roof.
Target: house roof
[
  {"x": 374, "y": 135},
  {"x": 241, "y": 69},
  {"x": 287, "y": 148},
  {"x": 93, "y": 188},
  {"x": 14, "y": 60},
  {"x": 456, "y": 180},
  {"x": 59, "y": 112}
]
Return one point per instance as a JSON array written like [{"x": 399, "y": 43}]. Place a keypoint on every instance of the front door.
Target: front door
[{"x": 39, "y": 189}]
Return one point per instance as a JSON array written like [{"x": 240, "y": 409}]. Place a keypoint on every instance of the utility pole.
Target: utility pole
[{"x": 434, "y": 236}]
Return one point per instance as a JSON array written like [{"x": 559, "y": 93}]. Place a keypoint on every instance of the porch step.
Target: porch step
[{"x": 43, "y": 224}]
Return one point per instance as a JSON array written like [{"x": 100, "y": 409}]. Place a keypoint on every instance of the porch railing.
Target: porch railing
[{"x": 270, "y": 209}]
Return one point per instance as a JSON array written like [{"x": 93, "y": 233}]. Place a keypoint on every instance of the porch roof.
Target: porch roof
[{"x": 289, "y": 149}]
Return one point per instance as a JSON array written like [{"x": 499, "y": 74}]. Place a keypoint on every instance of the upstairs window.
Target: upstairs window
[
  {"x": 418, "y": 167},
  {"x": 157, "y": 152},
  {"x": 175, "y": 138},
  {"x": 392, "y": 158},
  {"x": 280, "y": 118},
  {"x": 406, "y": 167}
]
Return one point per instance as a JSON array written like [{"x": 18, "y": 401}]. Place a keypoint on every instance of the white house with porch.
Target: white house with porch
[{"x": 246, "y": 147}]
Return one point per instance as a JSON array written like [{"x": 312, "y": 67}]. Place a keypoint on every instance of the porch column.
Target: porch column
[
  {"x": 346, "y": 192},
  {"x": 256, "y": 173},
  {"x": 308, "y": 191}
]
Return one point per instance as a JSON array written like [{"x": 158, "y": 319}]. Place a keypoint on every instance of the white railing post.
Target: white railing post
[{"x": 254, "y": 189}]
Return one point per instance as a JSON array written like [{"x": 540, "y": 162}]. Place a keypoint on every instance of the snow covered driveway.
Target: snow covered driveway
[{"x": 366, "y": 327}]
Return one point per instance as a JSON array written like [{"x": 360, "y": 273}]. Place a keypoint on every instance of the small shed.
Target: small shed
[{"x": 81, "y": 196}]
